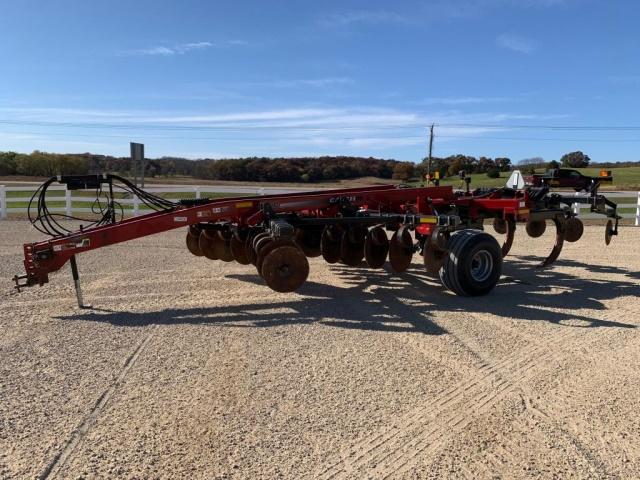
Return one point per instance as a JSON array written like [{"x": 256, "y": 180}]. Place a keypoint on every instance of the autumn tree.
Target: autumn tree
[
  {"x": 404, "y": 171},
  {"x": 575, "y": 160}
]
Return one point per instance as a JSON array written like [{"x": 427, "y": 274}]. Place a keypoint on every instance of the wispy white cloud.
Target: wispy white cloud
[
  {"x": 325, "y": 117},
  {"x": 463, "y": 100},
  {"x": 516, "y": 43},
  {"x": 28, "y": 142},
  {"x": 540, "y": 3},
  {"x": 362, "y": 142},
  {"x": 63, "y": 113},
  {"x": 363, "y": 17},
  {"x": 236, "y": 43},
  {"x": 182, "y": 48},
  {"x": 320, "y": 82},
  {"x": 425, "y": 12},
  {"x": 295, "y": 114},
  {"x": 357, "y": 130},
  {"x": 625, "y": 79}
]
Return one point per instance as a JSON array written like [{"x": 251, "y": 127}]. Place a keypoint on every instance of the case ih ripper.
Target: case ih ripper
[{"x": 276, "y": 233}]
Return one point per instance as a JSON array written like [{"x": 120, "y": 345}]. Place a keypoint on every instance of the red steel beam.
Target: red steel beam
[{"x": 48, "y": 256}]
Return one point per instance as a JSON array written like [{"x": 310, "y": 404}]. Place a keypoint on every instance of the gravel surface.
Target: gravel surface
[{"x": 195, "y": 369}]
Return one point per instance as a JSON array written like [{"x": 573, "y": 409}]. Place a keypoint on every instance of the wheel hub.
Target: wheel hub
[{"x": 481, "y": 266}]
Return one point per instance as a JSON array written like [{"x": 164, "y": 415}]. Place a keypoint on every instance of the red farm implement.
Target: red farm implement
[{"x": 276, "y": 233}]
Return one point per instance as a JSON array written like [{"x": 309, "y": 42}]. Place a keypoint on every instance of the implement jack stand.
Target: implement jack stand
[{"x": 76, "y": 282}]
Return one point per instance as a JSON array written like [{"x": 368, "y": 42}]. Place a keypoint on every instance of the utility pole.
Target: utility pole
[{"x": 430, "y": 151}]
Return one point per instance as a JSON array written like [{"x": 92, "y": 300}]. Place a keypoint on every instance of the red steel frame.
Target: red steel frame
[{"x": 48, "y": 256}]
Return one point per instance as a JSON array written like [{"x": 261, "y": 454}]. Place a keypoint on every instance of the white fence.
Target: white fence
[
  {"x": 134, "y": 206},
  {"x": 578, "y": 208},
  {"x": 15, "y": 199}
]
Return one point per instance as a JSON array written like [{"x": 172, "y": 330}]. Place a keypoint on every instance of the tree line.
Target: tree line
[
  {"x": 569, "y": 160},
  {"x": 260, "y": 169},
  {"x": 282, "y": 169},
  {"x": 454, "y": 164}
]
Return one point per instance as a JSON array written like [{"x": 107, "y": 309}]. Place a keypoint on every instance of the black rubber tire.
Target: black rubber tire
[{"x": 455, "y": 273}]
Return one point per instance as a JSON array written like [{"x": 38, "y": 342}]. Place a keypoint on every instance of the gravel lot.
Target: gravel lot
[{"x": 191, "y": 368}]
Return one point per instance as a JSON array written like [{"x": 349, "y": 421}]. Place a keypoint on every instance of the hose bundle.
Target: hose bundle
[{"x": 107, "y": 209}]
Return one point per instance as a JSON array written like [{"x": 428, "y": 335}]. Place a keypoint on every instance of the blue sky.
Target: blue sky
[{"x": 244, "y": 78}]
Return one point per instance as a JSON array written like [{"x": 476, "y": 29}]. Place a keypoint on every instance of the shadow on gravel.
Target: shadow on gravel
[
  {"x": 591, "y": 268},
  {"x": 351, "y": 308},
  {"x": 529, "y": 293},
  {"x": 382, "y": 300}
]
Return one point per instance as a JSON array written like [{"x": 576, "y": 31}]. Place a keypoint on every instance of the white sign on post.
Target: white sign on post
[
  {"x": 516, "y": 181},
  {"x": 137, "y": 162}
]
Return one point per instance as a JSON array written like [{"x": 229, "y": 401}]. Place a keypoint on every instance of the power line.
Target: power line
[
  {"x": 234, "y": 138},
  {"x": 544, "y": 127},
  {"x": 227, "y": 128},
  {"x": 249, "y": 126},
  {"x": 390, "y": 137},
  {"x": 536, "y": 139}
]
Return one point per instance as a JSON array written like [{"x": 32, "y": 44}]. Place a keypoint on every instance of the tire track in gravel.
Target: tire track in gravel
[
  {"x": 54, "y": 467},
  {"x": 455, "y": 418},
  {"x": 390, "y": 439},
  {"x": 501, "y": 382},
  {"x": 545, "y": 410},
  {"x": 586, "y": 340}
]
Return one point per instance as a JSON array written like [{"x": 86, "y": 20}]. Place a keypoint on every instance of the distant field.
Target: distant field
[
  {"x": 182, "y": 180},
  {"x": 626, "y": 178}
]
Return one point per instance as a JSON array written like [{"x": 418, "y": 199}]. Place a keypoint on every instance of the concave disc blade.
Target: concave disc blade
[
  {"x": 221, "y": 248},
  {"x": 404, "y": 237},
  {"x": 608, "y": 232},
  {"x": 193, "y": 244},
  {"x": 351, "y": 252},
  {"x": 250, "y": 246},
  {"x": 207, "y": 245},
  {"x": 285, "y": 268},
  {"x": 535, "y": 228},
  {"x": 267, "y": 246},
  {"x": 574, "y": 228},
  {"x": 376, "y": 247},
  {"x": 237, "y": 244},
  {"x": 308, "y": 239},
  {"x": 500, "y": 226},
  {"x": 260, "y": 245},
  {"x": 399, "y": 255},
  {"x": 433, "y": 258},
  {"x": 329, "y": 246}
]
